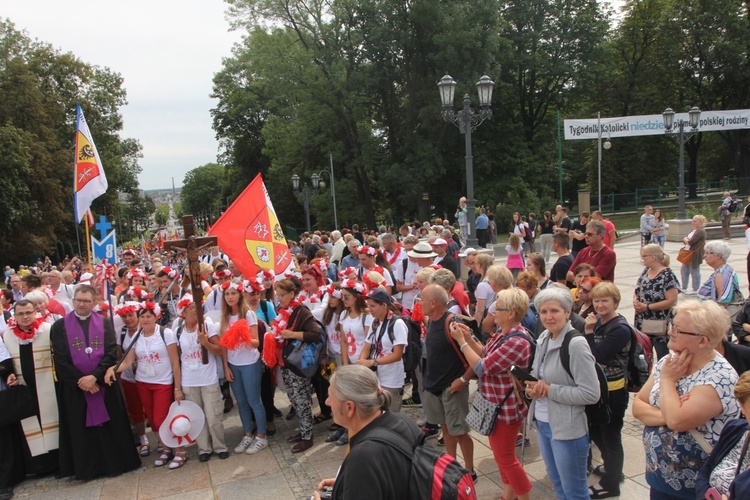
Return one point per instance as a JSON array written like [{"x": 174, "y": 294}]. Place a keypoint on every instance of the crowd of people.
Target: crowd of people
[{"x": 83, "y": 374}]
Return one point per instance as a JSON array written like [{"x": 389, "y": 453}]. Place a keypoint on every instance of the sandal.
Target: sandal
[
  {"x": 597, "y": 491},
  {"x": 319, "y": 419},
  {"x": 164, "y": 458},
  {"x": 179, "y": 460},
  {"x": 145, "y": 449}
]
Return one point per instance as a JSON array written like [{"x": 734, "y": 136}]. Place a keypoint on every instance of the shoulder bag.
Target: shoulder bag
[{"x": 483, "y": 414}]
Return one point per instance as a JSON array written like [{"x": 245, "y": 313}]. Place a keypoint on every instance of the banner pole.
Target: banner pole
[{"x": 88, "y": 243}]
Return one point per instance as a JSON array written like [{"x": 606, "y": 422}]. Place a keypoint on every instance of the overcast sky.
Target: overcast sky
[{"x": 167, "y": 52}]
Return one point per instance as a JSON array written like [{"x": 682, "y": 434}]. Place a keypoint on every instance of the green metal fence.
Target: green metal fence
[{"x": 667, "y": 195}]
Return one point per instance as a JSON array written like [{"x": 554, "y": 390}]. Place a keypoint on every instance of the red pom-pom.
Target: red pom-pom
[
  {"x": 237, "y": 335},
  {"x": 269, "y": 353}
]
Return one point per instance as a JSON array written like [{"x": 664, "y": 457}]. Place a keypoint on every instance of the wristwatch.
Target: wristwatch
[{"x": 375, "y": 363}]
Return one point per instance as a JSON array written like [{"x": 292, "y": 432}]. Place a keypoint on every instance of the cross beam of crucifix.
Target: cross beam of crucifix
[{"x": 191, "y": 246}]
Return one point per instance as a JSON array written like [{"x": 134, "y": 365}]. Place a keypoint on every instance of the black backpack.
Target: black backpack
[
  {"x": 599, "y": 412},
  {"x": 734, "y": 206},
  {"x": 532, "y": 342},
  {"x": 435, "y": 475},
  {"x": 413, "y": 350}
]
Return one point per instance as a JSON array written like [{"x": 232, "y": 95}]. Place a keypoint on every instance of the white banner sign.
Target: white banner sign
[{"x": 630, "y": 126}]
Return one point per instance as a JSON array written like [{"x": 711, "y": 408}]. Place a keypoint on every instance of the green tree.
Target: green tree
[
  {"x": 161, "y": 216},
  {"x": 203, "y": 190},
  {"x": 39, "y": 87}
]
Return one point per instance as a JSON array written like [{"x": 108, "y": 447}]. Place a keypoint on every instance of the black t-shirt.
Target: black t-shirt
[
  {"x": 566, "y": 223},
  {"x": 375, "y": 470},
  {"x": 578, "y": 245},
  {"x": 561, "y": 268},
  {"x": 443, "y": 364}
]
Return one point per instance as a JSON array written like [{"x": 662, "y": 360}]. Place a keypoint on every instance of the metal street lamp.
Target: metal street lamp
[
  {"x": 607, "y": 144},
  {"x": 304, "y": 194},
  {"x": 467, "y": 120},
  {"x": 317, "y": 181},
  {"x": 681, "y": 137}
]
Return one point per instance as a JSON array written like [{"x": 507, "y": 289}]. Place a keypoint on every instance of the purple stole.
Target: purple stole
[{"x": 86, "y": 358}]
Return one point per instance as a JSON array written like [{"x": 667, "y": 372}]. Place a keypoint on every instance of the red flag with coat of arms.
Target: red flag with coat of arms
[{"x": 250, "y": 234}]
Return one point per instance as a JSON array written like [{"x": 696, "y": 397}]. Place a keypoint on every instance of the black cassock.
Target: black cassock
[
  {"x": 89, "y": 452},
  {"x": 15, "y": 458}
]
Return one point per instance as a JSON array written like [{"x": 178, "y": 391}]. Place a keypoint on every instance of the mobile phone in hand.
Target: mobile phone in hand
[
  {"x": 713, "y": 494},
  {"x": 522, "y": 375}
]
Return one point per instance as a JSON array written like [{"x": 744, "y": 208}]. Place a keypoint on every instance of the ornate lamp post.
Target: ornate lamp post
[
  {"x": 321, "y": 183},
  {"x": 305, "y": 193},
  {"x": 467, "y": 120},
  {"x": 681, "y": 137}
]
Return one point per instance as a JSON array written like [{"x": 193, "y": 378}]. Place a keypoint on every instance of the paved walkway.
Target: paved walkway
[{"x": 276, "y": 473}]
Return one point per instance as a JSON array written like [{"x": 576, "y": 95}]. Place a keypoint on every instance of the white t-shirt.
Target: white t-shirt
[
  {"x": 355, "y": 333},
  {"x": 485, "y": 291},
  {"x": 318, "y": 308},
  {"x": 154, "y": 365},
  {"x": 244, "y": 354},
  {"x": 392, "y": 374},
  {"x": 213, "y": 300},
  {"x": 334, "y": 337},
  {"x": 194, "y": 372},
  {"x": 412, "y": 268}
]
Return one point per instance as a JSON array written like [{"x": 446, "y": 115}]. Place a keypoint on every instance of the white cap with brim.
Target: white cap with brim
[{"x": 466, "y": 251}]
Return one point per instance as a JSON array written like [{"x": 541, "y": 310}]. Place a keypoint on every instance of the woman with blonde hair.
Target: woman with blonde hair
[
  {"x": 609, "y": 337},
  {"x": 687, "y": 400},
  {"x": 497, "y": 278},
  {"x": 511, "y": 346},
  {"x": 654, "y": 296},
  {"x": 695, "y": 241}
]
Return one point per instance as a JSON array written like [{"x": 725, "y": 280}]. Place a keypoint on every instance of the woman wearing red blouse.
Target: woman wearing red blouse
[{"x": 509, "y": 346}]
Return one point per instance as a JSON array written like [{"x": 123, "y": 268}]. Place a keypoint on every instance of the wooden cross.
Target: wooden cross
[
  {"x": 77, "y": 343},
  {"x": 191, "y": 246}
]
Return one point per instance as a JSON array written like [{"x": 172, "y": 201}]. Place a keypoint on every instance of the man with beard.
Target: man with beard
[{"x": 95, "y": 437}]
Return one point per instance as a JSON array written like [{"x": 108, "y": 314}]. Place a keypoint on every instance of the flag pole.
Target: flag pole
[{"x": 88, "y": 240}]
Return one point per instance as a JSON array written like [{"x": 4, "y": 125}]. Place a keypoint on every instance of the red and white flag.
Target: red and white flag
[{"x": 250, "y": 234}]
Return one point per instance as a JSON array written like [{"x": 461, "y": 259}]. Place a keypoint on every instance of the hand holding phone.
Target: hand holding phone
[{"x": 522, "y": 375}]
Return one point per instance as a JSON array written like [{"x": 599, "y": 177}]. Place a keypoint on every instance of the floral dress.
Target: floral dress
[
  {"x": 673, "y": 458},
  {"x": 654, "y": 290}
]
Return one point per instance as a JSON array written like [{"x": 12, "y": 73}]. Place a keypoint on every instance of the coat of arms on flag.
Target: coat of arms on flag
[{"x": 250, "y": 234}]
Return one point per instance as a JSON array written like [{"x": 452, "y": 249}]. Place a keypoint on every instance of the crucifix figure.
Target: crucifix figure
[{"x": 191, "y": 246}]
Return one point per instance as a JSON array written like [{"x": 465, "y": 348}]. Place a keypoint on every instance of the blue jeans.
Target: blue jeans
[
  {"x": 658, "y": 239},
  {"x": 246, "y": 388},
  {"x": 688, "y": 272},
  {"x": 565, "y": 462}
]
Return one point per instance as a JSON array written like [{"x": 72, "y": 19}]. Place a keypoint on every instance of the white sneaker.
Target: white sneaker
[
  {"x": 258, "y": 445},
  {"x": 246, "y": 443},
  {"x": 421, "y": 421}
]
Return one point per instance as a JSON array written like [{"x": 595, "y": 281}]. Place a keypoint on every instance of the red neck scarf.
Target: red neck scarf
[
  {"x": 25, "y": 337},
  {"x": 393, "y": 259},
  {"x": 281, "y": 322}
]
